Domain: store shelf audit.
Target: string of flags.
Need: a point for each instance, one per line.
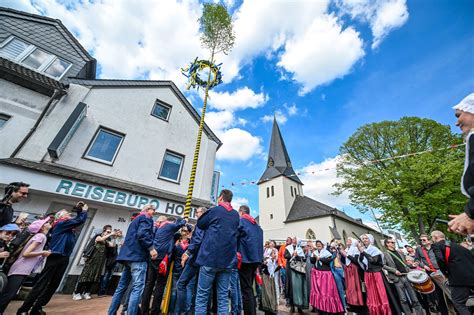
(314, 172)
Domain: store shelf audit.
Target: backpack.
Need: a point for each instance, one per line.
(90, 248)
(17, 245)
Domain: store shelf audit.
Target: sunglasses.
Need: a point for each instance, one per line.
(390, 242)
(424, 240)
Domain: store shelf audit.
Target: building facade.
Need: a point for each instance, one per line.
(286, 211)
(115, 144)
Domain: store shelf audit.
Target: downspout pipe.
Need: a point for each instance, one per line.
(57, 94)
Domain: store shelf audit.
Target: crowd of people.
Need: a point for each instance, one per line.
(221, 264)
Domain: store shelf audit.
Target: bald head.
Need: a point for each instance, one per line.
(437, 236)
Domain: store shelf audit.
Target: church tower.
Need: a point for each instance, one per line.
(277, 188)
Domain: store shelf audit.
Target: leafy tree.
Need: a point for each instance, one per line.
(410, 192)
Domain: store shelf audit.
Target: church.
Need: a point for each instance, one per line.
(286, 211)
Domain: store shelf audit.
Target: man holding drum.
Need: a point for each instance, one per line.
(397, 271)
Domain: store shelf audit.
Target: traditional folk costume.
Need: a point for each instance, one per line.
(371, 260)
(269, 294)
(324, 294)
(297, 293)
(353, 275)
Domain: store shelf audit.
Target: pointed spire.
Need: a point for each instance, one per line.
(279, 162)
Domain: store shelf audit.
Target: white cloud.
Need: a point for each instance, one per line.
(219, 121)
(239, 201)
(322, 53)
(241, 98)
(291, 109)
(279, 115)
(383, 16)
(319, 185)
(238, 145)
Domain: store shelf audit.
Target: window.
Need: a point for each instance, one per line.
(310, 235)
(273, 192)
(268, 192)
(3, 119)
(105, 145)
(271, 216)
(171, 168)
(31, 56)
(161, 110)
(291, 188)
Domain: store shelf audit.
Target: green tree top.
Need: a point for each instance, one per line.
(215, 25)
(410, 192)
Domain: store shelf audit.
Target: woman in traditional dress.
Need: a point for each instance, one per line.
(371, 260)
(324, 294)
(297, 293)
(269, 302)
(353, 275)
(94, 265)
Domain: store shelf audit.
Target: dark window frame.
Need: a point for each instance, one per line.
(268, 192)
(164, 104)
(182, 156)
(6, 118)
(273, 191)
(109, 130)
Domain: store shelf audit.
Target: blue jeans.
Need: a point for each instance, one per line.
(173, 309)
(235, 295)
(206, 278)
(104, 282)
(134, 273)
(185, 289)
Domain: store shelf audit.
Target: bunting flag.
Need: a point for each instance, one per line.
(244, 183)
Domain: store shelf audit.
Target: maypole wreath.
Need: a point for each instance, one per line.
(192, 72)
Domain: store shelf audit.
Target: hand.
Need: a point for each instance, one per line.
(4, 254)
(397, 273)
(415, 264)
(427, 268)
(184, 258)
(153, 254)
(461, 224)
(46, 253)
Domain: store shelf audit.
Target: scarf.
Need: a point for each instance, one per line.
(226, 205)
(323, 253)
(372, 251)
(466, 164)
(162, 224)
(248, 217)
(184, 244)
(352, 251)
(271, 266)
(299, 250)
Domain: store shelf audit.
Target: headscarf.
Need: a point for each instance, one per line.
(371, 250)
(36, 226)
(352, 251)
(466, 105)
(324, 253)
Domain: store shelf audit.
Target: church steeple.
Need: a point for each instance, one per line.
(279, 163)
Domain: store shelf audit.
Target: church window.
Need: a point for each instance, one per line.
(310, 235)
(271, 216)
(344, 235)
(291, 188)
(273, 192)
(268, 192)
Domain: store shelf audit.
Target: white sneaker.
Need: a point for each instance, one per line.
(87, 296)
(76, 297)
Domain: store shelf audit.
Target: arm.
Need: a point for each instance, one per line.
(103, 238)
(29, 250)
(438, 250)
(469, 208)
(78, 220)
(144, 234)
(195, 243)
(376, 260)
(326, 260)
(205, 220)
(353, 259)
(287, 255)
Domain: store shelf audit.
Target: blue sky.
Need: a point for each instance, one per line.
(324, 68)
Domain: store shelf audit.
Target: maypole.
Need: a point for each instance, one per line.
(217, 35)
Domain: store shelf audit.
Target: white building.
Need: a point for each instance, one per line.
(286, 211)
(116, 144)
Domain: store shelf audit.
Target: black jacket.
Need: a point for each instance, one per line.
(460, 266)
(468, 179)
(6, 213)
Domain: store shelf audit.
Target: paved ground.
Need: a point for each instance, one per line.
(64, 305)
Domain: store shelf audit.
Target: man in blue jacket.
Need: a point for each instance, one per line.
(187, 280)
(134, 255)
(217, 255)
(250, 248)
(163, 242)
(63, 239)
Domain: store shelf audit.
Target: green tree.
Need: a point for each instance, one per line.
(410, 192)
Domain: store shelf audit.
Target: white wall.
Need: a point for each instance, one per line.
(127, 110)
(24, 106)
(343, 225)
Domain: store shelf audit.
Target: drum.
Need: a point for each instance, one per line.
(442, 282)
(421, 282)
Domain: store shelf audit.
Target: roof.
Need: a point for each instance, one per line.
(82, 175)
(279, 163)
(28, 78)
(305, 208)
(40, 31)
(112, 83)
